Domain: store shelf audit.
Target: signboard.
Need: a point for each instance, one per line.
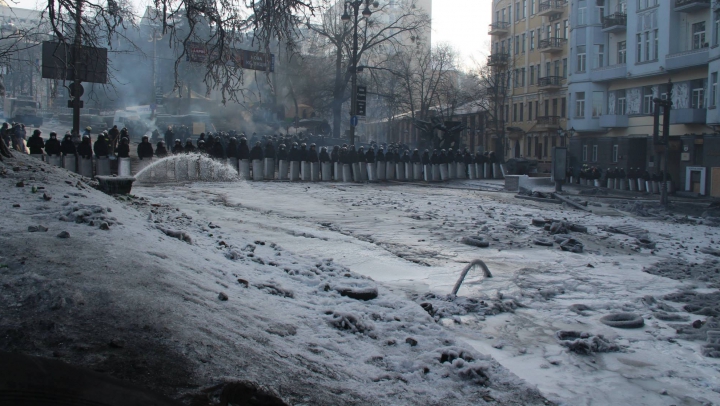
(354, 121)
(200, 53)
(360, 100)
(58, 58)
(559, 167)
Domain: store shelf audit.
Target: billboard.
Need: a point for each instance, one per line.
(200, 53)
(58, 58)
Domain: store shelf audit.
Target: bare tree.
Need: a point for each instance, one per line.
(386, 31)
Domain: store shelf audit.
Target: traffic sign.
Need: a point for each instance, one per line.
(361, 93)
(354, 121)
(360, 108)
(76, 92)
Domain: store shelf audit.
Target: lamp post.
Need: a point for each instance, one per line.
(354, 7)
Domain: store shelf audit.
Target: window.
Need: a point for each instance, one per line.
(643, 4)
(582, 12)
(698, 35)
(557, 68)
(532, 75)
(615, 153)
(517, 11)
(510, 13)
(555, 107)
(524, 9)
(600, 11)
(530, 111)
(713, 89)
(647, 102)
(584, 153)
(595, 153)
(622, 52)
(522, 77)
(522, 111)
(563, 107)
(539, 34)
(515, 111)
(529, 146)
(656, 45)
(565, 66)
(557, 30)
(599, 57)
(647, 46)
(565, 29)
(580, 104)
(497, 16)
(504, 18)
(698, 94)
(536, 108)
(621, 108)
(532, 40)
(597, 104)
(523, 42)
(532, 7)
(639, 47)
(581, 58)
(517, 77)
(547, 107)
(517, 44)
(716, 28)
(547, 69)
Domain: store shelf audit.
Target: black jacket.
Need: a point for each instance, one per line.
(294, 154)
(335, 154)
(380, 156)
(160, 150)
(370, 156)
(85, 149)
(145, 150)
(415, 157)
(232, 149)
(282, 154)
(123, 151)
(256, 153)
(270, 150)
(52, 146)
(312, 155)
(217, 150)
(36, 144)
(101, 147)
(177, 149)
(68, 146)
(243, 150)
(324, 156)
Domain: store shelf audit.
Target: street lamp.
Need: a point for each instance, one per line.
(354, 7)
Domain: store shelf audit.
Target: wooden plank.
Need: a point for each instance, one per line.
(570, 202)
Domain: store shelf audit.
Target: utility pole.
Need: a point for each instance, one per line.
(76, 70)
(664, 142)
(353, 101)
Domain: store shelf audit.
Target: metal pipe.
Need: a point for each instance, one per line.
(477, 262)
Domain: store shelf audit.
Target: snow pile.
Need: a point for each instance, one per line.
(193, 319)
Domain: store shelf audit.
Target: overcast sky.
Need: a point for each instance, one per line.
(462, 23)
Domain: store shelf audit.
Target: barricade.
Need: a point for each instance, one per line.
(194, 169)
(294, 171)
(371, 172)
(409, 172)
(283, 169)
(450, 171)
(85, 167)
(436, 172)
(633, 185)
(381, 170)
(363, 172)
(389, 170)
(234, 163)
(596, 182)
(347, 176)
(427, 173)
(399, 171)
(486, 171)
(257, 167)
(314, 171)
(417, 171)
(640, 185)
(38, 156)
(326, 171)
(305, 171)
(244, 166)
(205, 169)
(648, 186)
(102, 166)
(461, 171)
(124, 167)
(269, 169)
(443, 172)
(472, 171)
(55, 160)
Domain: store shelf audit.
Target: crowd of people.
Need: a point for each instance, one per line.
(592, 173)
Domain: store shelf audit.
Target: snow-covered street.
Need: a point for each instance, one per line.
(408, 238)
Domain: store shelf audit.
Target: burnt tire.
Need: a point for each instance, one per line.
(476, 242)
(543, 242)
(623, 320)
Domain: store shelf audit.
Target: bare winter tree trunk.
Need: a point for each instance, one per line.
(338, 94)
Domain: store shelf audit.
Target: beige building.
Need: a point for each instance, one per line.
(530, 43)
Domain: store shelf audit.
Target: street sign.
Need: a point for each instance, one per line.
(74, 92)
(360, 108)
(354, 121)
(361, 93)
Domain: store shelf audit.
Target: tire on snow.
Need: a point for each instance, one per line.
(623, 320)
(476, 242)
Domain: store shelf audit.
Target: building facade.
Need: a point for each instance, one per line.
(623, 53)
(530, 47)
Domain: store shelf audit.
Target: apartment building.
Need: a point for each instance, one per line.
(623, 53)
(530, 44)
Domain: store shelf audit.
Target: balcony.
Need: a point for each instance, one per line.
(691, 6)
(607, 73)
(615, 22)
(552, 7)
(548, 122)
(688, 116)
(552, 45)
(614, 121)
(499, 59)
(550, 82)
(687, 59)
(499, 28)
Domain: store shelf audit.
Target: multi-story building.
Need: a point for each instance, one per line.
(530, 47)
(623, 53)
